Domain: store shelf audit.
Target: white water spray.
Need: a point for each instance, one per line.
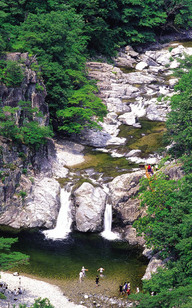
(64, 219)
(107, 233)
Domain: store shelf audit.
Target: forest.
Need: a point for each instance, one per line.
(63, 35)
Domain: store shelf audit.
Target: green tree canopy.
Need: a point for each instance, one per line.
(179, 122)
(8, 259)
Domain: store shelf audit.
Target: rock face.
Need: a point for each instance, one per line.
(32, 198)
(41, 207)
(123, 190)
(132, 88)
(152, 267)
(28, 91)
(90, 205)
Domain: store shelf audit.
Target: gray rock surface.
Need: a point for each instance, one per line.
(90, 205)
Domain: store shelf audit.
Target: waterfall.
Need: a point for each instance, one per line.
(107, 233)
(64, 219)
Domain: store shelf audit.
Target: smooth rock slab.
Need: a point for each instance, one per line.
(90, 205)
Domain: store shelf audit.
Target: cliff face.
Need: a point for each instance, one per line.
(32, 87)
(19, 164)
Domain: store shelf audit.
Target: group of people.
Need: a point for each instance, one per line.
(5, 290)
(126, 288)
(82, 274)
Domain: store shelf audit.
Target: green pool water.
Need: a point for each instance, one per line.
(62, 260)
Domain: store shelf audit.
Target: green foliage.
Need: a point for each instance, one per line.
(62, 33)
(2, 296)
(39, 303)
(54, 38)
(28, 131)
(8, 259)
(83, 106)
(179, 297)
(11, 73)
(179, 122)
(22, 194)
(168, 229)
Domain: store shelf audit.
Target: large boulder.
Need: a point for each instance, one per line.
(40, 210)
(90, 205)
(153, 266)
(130, 235)
(125, 186)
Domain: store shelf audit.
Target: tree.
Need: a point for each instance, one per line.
(83, 106)
(8, 259)
(179, 120)
(168, 230)
(28, 131)
(11, 73)
(57, 39)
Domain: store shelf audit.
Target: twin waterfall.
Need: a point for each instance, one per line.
(64, 220)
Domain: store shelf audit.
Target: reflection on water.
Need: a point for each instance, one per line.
(63, 259)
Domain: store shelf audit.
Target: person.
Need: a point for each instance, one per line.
(120, 288)
(15, 293)
(80, 276)
(150, 170)
(84, 270)
(97, 280)
(101, 269)
(128, 291)
(20, 290)
(137, 290)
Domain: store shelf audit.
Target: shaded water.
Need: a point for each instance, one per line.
(61, 260)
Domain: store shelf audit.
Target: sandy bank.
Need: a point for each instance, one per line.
(33, 289)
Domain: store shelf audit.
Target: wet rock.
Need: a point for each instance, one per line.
(90, 205)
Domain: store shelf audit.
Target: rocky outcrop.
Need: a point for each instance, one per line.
(29, 89)
(154, 263)
(130, 235)
(40, 208)
(123, 191)
(132, 88)
(90, 205)
(125, 187)
(29, 187)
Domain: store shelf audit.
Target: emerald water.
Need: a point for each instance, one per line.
(63, 260)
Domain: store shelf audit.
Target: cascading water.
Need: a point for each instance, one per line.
(64, 219)
(107, 233)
